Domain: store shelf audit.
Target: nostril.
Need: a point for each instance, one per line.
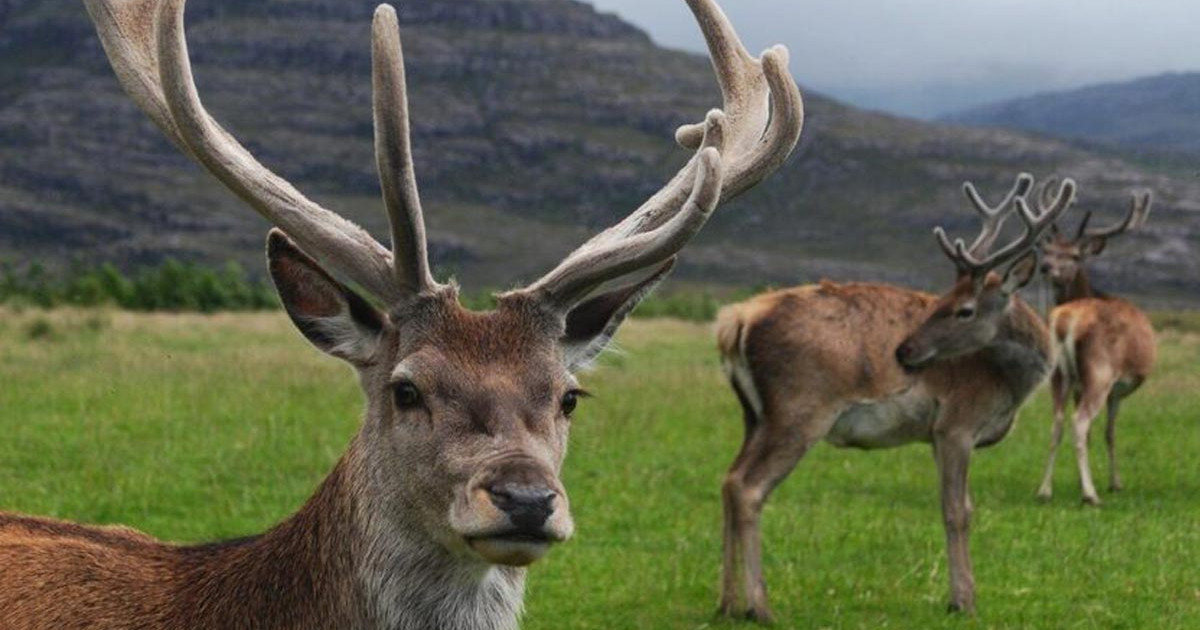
(902, 352)
(527, 506)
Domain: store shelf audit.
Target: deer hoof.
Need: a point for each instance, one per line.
(1044, 496)
(1116, 487)
(759, 616)
(1092, 501)
(957, 607)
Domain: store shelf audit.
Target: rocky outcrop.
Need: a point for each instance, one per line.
(536, 122)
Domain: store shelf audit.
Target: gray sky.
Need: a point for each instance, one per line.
(926, 57)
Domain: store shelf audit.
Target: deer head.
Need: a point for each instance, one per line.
(467, 412)
(1063, 256)
(969, 316)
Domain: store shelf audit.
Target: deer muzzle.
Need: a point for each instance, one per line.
(515, 512)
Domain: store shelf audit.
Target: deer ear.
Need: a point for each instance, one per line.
(332, 317)
(1020, 272)
(592, 323)
(1093, 246)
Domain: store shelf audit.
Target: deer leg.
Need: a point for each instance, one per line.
(1059, 386)
(1084, 414)
(1110, 438)
(769, 461)
(731, 560)
(953, 459)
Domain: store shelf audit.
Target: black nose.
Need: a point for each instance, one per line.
(528, 506)
(902, 353)
(1045, 268)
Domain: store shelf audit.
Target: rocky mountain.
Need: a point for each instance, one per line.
(536, 122)
(1151, 115)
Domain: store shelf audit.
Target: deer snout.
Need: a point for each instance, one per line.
(911, 357)
(528, 506)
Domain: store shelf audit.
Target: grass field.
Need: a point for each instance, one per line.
(198, 427)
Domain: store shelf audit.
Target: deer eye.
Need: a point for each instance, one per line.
(965, 312)
(406, 395)
(570, 400)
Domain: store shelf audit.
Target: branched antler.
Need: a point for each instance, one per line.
(1035, 225)
(994, 216)
(736, 148)
(1139, 211)
(739, 145)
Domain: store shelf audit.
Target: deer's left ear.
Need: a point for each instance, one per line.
(592, 323)
(1093, 246)
(1020, 272)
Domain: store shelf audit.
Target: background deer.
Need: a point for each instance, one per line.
(452, 484)
(1105, 344)
(875, 366)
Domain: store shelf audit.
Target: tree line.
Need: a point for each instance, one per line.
(171, 286)
(193, 287)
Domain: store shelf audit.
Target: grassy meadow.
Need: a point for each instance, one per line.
(195, 427)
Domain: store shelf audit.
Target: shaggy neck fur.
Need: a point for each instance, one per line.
(343, 562)
(1077, 289)
(1021, 352)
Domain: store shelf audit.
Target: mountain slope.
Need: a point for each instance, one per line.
(536, 122)
(1155, 114)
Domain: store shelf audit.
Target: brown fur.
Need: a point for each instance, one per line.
(492, 381)
(1105, 348)
(294, 576)
(802, 358)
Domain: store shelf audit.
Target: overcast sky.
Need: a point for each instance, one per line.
(926, 57)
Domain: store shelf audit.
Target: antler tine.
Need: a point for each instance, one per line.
(587, 268)
(994, 216)
(1139, 210)
(1035, 225)
(393, 154)
(750, 138)
(145, 43)
(1046, 197)
(1081, 231)
(761, 100)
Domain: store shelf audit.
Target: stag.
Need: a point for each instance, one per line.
(451, 486)
(1105, 344)
(876, 366)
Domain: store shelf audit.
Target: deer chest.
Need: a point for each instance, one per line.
(886, 422)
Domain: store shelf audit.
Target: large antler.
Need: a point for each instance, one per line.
(1035, 225)
(1139, 211)
(145, 43)
(737, 147)
(994, 216)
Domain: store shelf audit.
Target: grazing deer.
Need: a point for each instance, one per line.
(1105, 345)
(875, 366)
(452, 484)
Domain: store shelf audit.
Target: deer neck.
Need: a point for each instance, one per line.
(1078, 288)
(1021, 353)
(349, 558)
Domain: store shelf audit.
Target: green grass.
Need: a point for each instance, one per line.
(195, 427)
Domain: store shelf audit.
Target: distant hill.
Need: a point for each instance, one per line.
(1153, 114)
(537, 122)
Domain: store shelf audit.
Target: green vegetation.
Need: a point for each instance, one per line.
(173, 286)
(194, 427)
(189, 287)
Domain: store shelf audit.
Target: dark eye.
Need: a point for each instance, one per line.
(570, 400)
(965, 312)
(406, 395)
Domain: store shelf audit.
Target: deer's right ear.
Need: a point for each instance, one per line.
(332, 317)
